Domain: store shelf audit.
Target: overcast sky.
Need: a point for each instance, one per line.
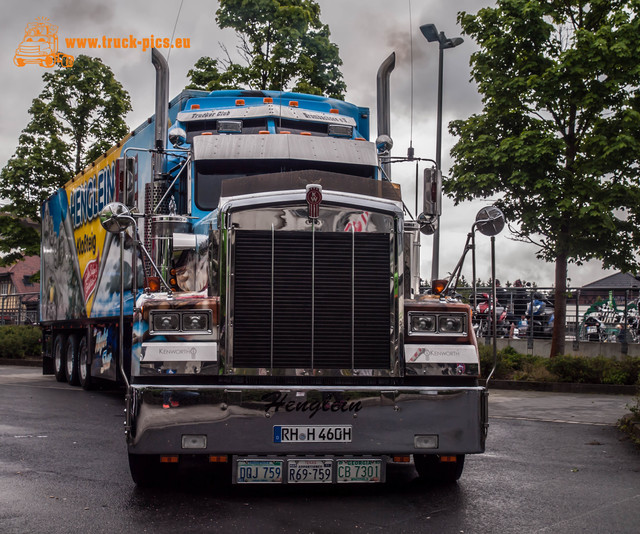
(366, 31)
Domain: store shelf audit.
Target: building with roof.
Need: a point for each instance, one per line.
(621, 287)
(19, 293)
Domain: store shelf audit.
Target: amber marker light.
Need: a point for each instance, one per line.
(195, 106)
(437, 286)
(153, 283)
(239, 102)
(268, 100)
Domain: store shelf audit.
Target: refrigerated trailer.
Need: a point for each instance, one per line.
(244, 265)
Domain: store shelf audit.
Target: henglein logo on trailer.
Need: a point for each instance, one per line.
(40, 46)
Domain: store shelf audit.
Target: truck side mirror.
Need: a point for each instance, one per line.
(116, 217)
(432, 199)
(127, 175)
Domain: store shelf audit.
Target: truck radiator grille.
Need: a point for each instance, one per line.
(311, 302)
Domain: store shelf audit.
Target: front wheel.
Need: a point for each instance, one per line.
(144, 469)
(439, 469)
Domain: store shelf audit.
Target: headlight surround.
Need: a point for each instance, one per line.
(163, 322)
(447, 324)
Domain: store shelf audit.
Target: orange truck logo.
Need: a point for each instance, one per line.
(40, 45)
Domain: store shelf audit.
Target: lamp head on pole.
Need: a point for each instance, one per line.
(431, 34)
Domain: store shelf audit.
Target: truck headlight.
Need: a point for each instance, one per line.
(451, 324)
(422, 323)
(166, 322)
(196, 321)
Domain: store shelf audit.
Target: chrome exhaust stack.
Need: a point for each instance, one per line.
(384, 108)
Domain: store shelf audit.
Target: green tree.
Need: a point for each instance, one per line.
(283, 45)
(558, 138)
(78, 115)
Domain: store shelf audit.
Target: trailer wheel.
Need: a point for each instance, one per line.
(71, 359)
(59, 367)
(84, 365)
(432, 470)
(144, 469)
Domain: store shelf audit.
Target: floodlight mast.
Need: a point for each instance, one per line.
(432, 35)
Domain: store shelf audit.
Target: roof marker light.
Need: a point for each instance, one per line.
(293, 103)
(264, 132)
(268, 100)
(195, 106)
(239, 102)
(333, 110)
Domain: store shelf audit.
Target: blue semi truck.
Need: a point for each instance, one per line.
(243, 264)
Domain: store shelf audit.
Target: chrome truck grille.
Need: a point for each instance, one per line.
(304, 300)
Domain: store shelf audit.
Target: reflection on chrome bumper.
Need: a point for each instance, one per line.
(241, 420)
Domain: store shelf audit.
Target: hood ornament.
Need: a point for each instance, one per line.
(314, 197)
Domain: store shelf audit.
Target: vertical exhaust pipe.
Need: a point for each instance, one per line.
(156, 190)
(384, 102)
(162, 108)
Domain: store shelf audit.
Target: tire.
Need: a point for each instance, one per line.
(71, 360)
(59, 365)
(431, 469)
(84, 365)
(144, 469)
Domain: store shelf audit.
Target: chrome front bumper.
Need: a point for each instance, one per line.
(242, 420)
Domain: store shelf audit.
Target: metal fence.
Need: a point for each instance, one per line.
(20, 308)
(600, 315)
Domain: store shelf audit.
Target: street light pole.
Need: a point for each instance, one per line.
(431, 34)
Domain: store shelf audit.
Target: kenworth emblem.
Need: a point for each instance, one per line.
(314, 197)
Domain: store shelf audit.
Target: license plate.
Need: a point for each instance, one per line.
(249, 471)
(592, 329)
(312, 434)
(360, 470)
(314, 471)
